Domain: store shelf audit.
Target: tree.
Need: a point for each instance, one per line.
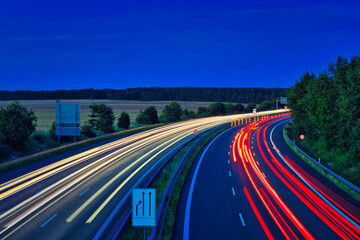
(172, 112)
(152, 113)
(142, 118)
(239, 108)
(101, 118)
(202, 110)
(229, 108)
(265, 105)
(217, 109)
(52, 130)
(249, 108)
(124, 120)
(87, 130)
(16, 125)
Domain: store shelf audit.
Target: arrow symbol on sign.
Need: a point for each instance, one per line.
(144, 203)
(137, 207)
(149, 203)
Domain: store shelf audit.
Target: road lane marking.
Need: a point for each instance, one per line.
(228, 153)
(242, 220)
(230, 146)
(84, 192)
(229, 173)
(179, 138)
(264, 174)
(254, 154)
(233, 190)
(108, 174)
(191, 190)
(257, 163)
(84, 205)
(49, 220)
(126, 161)
(228, 161)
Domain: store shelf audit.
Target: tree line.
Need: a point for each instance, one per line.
(326, 109)
(244, 95)
(102, 117)
(18, 124)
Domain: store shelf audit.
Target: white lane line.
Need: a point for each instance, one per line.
(254, 154)
(264, 174)
(230, 146)
(228, 153)
(242, 220)
(257, 163)
(233, 190)
(252, 147)
(229, 173)
(49, 220)
(228, 161)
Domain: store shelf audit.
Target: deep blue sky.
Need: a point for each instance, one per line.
(119, 44)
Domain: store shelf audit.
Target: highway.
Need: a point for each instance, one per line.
(248, 184)
(87, 195)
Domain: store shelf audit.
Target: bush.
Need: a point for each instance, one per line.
(16, 124)
(217, 109)
(39, 137)
(152, 113)
(52, 130)
(249, 108)
(229, 108)
(5, 151)
(201, 110)
(172, 112)
(239, 108)
(142, 118)
(87, 130)
(124, 120)
(265, 105)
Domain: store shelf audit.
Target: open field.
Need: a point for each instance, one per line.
(45, 109)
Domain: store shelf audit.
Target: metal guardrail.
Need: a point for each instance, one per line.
(349, 184)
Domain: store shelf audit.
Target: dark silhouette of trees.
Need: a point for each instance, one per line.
(101, 118)
(16, 125)
(243, 95)
(124, 120)
(152, 113)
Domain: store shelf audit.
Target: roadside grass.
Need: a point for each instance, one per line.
(161, 182)
(337, 182)
(64, 148)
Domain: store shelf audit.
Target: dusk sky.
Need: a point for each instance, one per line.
(48, 45)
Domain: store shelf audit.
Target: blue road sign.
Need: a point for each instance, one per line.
(144, 207)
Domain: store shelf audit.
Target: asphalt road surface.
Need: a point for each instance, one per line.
(86, 195)
(248, 184)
